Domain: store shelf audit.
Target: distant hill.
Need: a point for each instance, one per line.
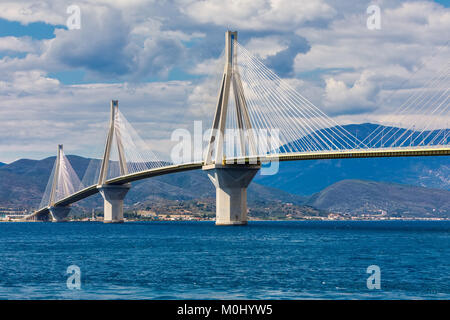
(364, 132)
(358, 197)
(23, 182)
(2, 164)
(370, 134)
(196, 185)
(311, 176)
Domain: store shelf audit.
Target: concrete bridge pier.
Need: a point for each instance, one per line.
(231, 182)
(59, 214)
(113, 196)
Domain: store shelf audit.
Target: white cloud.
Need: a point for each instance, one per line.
(361, 68)
(77, 115)
(52, 12)
(266, 46)
(408, 33)
(16, 44)
(257, 14)
(29, 82)
(340, 98)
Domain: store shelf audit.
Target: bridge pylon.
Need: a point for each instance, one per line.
(58, 213)
(113, 195)
(230, 180)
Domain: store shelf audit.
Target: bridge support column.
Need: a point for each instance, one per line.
(59, 214)
(231, 182)
(113, 196)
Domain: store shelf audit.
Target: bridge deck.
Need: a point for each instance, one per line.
(366, 153)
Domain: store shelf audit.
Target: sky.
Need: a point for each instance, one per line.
(155, 57)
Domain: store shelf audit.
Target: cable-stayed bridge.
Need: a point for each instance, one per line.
(259, 118)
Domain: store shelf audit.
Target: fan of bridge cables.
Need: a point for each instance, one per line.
(92, 172)
(288, 121)
(64, 184)
(421, 121)
(136, 152)
(126, 147)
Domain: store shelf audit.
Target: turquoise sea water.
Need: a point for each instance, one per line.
(198, 260)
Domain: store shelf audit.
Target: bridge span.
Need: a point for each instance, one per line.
(170, 169)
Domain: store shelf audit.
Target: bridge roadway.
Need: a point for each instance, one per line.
(345, 154)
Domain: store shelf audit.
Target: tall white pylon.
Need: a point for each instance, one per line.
(230, 180)
(113, 195)
(114, 131)
(230, 79)
(56, 175)
(65, 182)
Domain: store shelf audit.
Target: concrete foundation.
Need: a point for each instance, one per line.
(59, 214)
(113, 196)
(231, 182)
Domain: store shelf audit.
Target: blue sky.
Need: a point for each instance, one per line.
(36, 30)
(445, 3)
(42, 30)
(155, 57)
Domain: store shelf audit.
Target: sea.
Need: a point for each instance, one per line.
(198, 260)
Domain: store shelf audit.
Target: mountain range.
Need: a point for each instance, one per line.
(23, 182)
(358, 197)
(311, 176)
(415, 186)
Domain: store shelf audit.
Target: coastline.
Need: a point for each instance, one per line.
(253, 220)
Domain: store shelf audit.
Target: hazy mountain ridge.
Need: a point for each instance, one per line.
(322, 184)
(23, 182)
(362, 197)
(311, 176)
(373, 136)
